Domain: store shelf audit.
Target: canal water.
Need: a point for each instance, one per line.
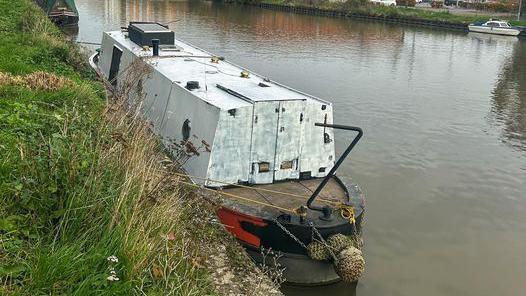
(443, 160)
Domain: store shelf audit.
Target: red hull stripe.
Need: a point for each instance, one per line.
(233, 219)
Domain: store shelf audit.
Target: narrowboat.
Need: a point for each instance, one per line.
(494, 27)
(61, 12)
(265, 148)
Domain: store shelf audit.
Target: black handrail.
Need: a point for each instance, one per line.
(326, 210)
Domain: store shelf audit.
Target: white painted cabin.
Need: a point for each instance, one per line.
(257, 134)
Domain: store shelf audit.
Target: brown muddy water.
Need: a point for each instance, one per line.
(443, 160)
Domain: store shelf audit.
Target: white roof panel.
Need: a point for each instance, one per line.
(188, 63)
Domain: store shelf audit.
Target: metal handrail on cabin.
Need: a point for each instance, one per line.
(326, 210)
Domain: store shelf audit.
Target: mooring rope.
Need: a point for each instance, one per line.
(335, 203)
(292, 211)
(346, 211)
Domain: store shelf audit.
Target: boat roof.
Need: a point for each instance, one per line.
(221, 84)
(497, 21)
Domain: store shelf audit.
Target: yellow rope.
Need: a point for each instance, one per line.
(240, 197)
(258, 189)
(346, 211)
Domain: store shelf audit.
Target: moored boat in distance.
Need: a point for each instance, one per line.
(266, 149)
(61, 12)
(494, 27)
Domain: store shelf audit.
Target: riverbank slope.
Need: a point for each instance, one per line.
(88, 201)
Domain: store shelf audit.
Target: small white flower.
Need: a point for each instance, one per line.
(112, 278)
(113, 259)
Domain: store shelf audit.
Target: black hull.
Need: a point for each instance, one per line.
(261, 232)
(272, 236)
(64, 20)
(298, 267)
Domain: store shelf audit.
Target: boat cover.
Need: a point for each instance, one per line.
(48, 5)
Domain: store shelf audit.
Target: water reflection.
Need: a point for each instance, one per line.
(509, 98)
(115, 11)
(446, 198)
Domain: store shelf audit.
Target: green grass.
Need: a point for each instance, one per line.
(443, 16)
(415, 13)
(364, 7)
(80, 181)
(518, 23)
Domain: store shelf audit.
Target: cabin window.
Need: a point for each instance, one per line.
(286, 165)
(263, 167)
(305, 175)
(115, 64)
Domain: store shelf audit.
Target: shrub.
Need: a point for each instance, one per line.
(437, 4)
(354, 4)
(508, 6)
(407, 3)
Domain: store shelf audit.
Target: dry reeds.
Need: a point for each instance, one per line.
(37, 81)
(87, 197)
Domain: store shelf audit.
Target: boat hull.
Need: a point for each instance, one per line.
(59, 12)
(263, 220)
(298, 269)
(259, 231)
(494, 30)
(64, 18)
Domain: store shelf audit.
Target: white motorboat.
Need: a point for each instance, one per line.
(494, 27)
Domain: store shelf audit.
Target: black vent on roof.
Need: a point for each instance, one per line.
(142, 33)
(191, 85)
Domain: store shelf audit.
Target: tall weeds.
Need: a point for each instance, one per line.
(94, 190)
(88, 201)
(80, 181)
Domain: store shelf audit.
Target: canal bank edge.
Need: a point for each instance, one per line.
(401, 15)
(88, 204)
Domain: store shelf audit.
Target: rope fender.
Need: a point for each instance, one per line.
(346, 256)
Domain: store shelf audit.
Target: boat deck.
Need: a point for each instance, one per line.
(302, 190)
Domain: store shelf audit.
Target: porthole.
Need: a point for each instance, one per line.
(187, 127)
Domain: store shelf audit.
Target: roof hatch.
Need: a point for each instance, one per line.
(142, 33)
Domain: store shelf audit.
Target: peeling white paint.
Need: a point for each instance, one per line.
(246, 125)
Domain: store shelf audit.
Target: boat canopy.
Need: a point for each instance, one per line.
(501, 24)
(49, 5)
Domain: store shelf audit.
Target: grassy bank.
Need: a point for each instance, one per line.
(364, 7)
(88, 203)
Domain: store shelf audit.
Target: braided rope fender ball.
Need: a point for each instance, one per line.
(338, 242)
(317, 251)
(350, 265)
(357, 242)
